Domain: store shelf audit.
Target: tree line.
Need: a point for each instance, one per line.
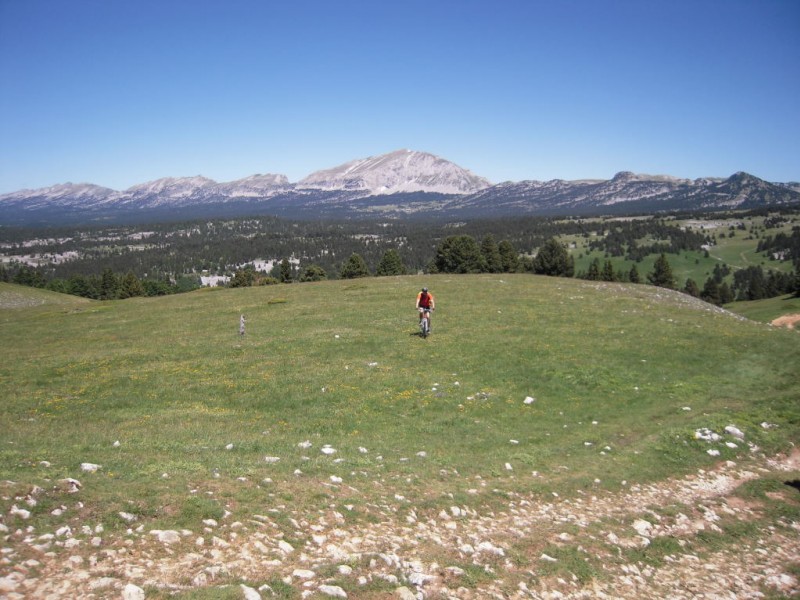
(122, 262)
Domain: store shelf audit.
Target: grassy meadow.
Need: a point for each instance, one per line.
(734, 247)
(331, 399)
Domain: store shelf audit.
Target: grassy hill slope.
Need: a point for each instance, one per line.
(332, 399)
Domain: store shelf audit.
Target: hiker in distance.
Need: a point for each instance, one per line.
(425, 301)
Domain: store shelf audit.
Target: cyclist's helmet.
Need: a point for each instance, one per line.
(425, 290)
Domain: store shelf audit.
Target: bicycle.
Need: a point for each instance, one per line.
(425, 322)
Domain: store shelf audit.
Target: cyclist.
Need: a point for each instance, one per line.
(425, 302)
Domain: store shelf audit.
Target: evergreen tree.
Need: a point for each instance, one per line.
(608, 271)
(285, 271)
(593, 274)
(390, 264)
(633, 275)
(458, 254)
(662, 273)
(493, 262)
(509, 258)
(245, 277)
(79, 285)
(725, 293)
(797, 279)
(131, 286)
(554, 260)
(691, 288)
(109, 285)
(354, 267)
(710, 292)
(313, 273)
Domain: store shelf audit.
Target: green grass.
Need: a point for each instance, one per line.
(738, 252)
(611, 367)
(767, 310)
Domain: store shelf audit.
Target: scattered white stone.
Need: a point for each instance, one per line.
(529, 400)
(250, 593)
(328, 450)
(345, 570)
(332, 590)
(132, 592)
(712, 452)
(271, 459)
(766, 425)
(89, 467)
(548, 558)
(509, 467)
(286, 547)
(116, 444)
(372, 364)
(513, 442)
(45, 463)
(490, 548)
(403, 593)
(731, 445)
(305, 445)
(362, 450)
(422, 454)
(642, 527)
(303, 574)
(20, 512)
(166, 537)
(687, 408)
(336, 479)
(229, 447)
(64, 531)
(735, 432)
(707, 435)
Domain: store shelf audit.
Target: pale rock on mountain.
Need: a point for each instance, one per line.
(399, 171)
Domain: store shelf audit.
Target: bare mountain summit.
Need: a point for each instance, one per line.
(399, 171)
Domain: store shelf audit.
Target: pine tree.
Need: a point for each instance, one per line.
(662, 273)
(691, 288)
(109, 285)
(797, 280)
(633, 275)
(131, 286)
(554, 260)
(286, 271)
(493, 263)
(710, 292)
(593, 274)
(354, 267)
(391, 264)
(509, 258)
(608, 272)
(313, 273)
(458, 254)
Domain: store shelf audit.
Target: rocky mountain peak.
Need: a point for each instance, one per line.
(398, 171)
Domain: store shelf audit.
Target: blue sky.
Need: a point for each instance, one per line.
(118, 92)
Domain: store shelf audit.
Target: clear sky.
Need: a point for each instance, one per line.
(120, 92)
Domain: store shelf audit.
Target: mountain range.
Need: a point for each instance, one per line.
(403, 183)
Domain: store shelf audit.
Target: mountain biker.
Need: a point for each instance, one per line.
(425, 302)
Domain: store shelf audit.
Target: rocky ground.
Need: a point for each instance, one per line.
(683, 538)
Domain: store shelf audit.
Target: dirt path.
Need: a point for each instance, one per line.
(640, 543)
(787, 321)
